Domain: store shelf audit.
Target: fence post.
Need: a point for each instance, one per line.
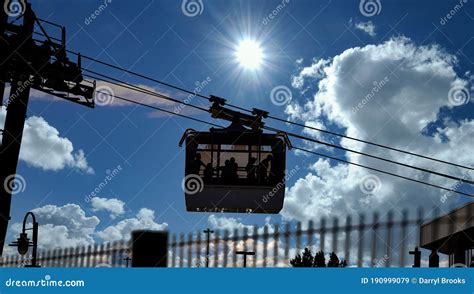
(149, 249)
(276, 237)
(347, 244)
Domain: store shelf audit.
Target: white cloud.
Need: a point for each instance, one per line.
(397, 113)
(112, 205)
(69, 226)
(144, 220)
(367, 27)
(43, 147)
(62, 226)
(226, 223)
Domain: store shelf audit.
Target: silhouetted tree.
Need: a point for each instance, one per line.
(319, 260)
(333, 260)
(303, 261)
(306, 259)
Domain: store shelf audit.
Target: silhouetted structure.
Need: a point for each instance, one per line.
(245, 254)
(451, 234)
(149, 249)
(26, 63)
(23, 242)
(208, 232)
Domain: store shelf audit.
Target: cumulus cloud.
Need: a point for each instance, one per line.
(62, 226)
(112, 205)
(44, 148)
(69, 226)
(367, 27)
(390, 93)
(144, 220)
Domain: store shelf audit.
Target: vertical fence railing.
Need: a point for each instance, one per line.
(377, 241)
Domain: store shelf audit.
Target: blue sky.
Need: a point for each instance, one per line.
(157, 39)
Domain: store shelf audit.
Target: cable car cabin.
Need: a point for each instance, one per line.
(234, 169)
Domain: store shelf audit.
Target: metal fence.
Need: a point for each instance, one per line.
(105, 255)
(380, 240)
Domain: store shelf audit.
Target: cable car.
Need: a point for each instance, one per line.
(236, 169)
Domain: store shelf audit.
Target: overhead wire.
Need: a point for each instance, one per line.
(296, 147)
(154, 93)
(270, 116)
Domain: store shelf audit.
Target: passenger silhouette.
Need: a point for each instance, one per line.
(208, 173)
(251, 169)
(263, 169)
(226, 174)
(195, 164)
(233, 170)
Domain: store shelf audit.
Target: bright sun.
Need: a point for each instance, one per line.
(249, 54)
